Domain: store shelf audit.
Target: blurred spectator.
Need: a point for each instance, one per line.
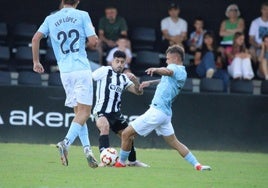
(257, 30)
(111, 26)
(238, 59)
(174, 28)
(263, 59)
(209, 61)
(196, 37)
(122, 45)
(234, 23)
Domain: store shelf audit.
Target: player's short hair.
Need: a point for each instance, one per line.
(70, 2)
(176, 49)
(119, 54)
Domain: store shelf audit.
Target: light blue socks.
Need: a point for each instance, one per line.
(191, 159)
(83, 136)
(123, 156)
(73, 132)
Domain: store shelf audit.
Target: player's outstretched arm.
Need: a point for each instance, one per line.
(135, 87)
(148, 83)
(163, 71)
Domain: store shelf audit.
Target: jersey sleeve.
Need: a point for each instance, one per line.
(99, 73)
(44, 28)
(128, 82)
(176, 71)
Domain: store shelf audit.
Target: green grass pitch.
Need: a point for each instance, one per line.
(38, 166)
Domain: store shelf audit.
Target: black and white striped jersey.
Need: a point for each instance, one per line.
(110, 86)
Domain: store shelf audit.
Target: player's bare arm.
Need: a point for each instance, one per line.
(134, 88)
(148, 83)
(163, 71)
(37, 66)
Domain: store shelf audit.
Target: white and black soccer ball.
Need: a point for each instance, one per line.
(109, 156)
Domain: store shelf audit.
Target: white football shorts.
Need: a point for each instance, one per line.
(153, 119)
(78, 86)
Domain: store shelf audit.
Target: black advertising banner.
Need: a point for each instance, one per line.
(202, 121)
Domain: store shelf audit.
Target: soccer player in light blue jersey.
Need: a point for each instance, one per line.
(68, 30)
(158, 116)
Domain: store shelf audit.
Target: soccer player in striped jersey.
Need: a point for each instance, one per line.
(68, 30)
(111, 82)
(158, 116)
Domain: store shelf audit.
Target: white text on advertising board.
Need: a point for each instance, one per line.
(32, 117)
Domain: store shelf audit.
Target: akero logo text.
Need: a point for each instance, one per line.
(33, 117)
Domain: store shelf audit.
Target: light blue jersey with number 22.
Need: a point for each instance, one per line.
(68, 29)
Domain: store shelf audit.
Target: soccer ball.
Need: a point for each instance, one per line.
(109, 156)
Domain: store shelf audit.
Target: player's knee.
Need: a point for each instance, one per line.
(85, 114)
(104, 129)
